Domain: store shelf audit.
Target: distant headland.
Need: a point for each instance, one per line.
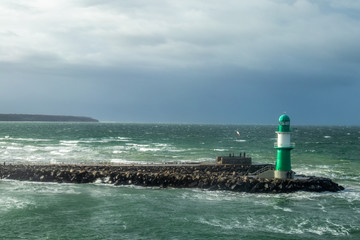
(44, 118)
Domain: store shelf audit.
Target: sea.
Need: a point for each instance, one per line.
(34, 210)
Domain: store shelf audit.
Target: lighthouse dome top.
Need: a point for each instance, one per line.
(284, 118)
(284, 123)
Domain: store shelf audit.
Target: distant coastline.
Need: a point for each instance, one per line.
(44, 118)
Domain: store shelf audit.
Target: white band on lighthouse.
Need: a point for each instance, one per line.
(283, 139)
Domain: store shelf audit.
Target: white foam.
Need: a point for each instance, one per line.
(144, 149)
(42, 187)
(123, 139)
(53, 161)
(13, 148)
(240, 140)
(221, 196)
(30, 149)
(282, 208)
(8, 203)
(161, 145)
(117, 152)
(330, 228)
(98, 181)
(65, 150)
(176, 150)
(124, 161)
(7, 138)
(69, 142)
(104, 140)
(57, 153)
(221, 224)
(136, 145)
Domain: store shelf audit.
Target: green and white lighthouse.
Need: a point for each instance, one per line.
(283, 146)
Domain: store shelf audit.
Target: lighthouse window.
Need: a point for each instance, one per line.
(286, 123)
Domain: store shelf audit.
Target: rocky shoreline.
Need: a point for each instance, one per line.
(236, 178)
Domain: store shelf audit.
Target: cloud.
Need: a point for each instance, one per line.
(158, 33)
(193, 58)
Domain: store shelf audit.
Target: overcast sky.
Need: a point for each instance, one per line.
(204, 61)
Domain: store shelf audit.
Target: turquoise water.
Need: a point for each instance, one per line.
(30, 210)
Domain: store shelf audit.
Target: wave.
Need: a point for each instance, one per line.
(234, 223)
(95, 140)
(148, 149)
(124, 161)
(220, 150)
(240, 140)
(8, 138)
(9, 203)
(329, 171)
(276, 223)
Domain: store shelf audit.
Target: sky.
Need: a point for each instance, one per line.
(162, 61)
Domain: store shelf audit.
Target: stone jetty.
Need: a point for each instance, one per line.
(236, 178)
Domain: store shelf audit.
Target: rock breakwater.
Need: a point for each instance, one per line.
(204, 176)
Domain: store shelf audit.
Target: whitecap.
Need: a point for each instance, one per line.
(240, 140)
(206, 195)
(123, 139)
(282, 208)
(331, 228)
(117, 152)
(69, 142)
(221, 224)
(161, 145)
(6, 138)
(137, 146)
(219, 150)
(123, 161)
(30, 149)
(327, 136)
(9, 203)
(65, 150)
(13, 148)
(144, 149)
(57, 153)
(285, 230)
(176, 150)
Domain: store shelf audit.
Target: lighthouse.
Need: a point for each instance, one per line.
(283, 146)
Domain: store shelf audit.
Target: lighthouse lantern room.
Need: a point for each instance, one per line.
(283, 146)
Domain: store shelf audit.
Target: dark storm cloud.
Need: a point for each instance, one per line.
(202, 61)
